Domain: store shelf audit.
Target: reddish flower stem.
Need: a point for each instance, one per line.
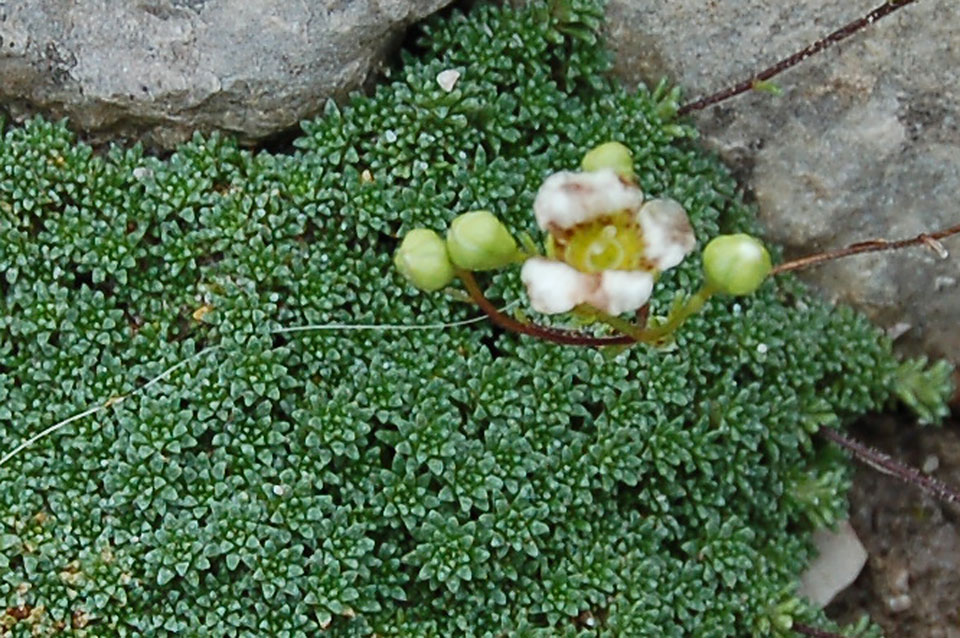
(874, 245)
(884, 463)
(643, 315)
(564, 337)
(842, 33)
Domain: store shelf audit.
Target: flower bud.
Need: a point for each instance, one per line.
(422, 258)
(736, 264)
(612, 155)
(479, 241)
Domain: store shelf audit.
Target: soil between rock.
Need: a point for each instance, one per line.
(911, 583)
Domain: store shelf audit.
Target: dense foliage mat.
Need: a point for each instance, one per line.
(449, 482)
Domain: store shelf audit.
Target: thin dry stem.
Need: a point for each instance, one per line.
(107, 404)
(842, 33)
(931, 240)
(56, 427)
(886, 464)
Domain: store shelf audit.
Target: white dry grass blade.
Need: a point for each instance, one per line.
(206, 351)
(386, 327)
(109, 402)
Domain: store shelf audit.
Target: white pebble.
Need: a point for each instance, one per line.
(278, 490)
(142, 172)
(898, 329)
(841, 557)
(930, 464)
(447, 79)
(938, 248)
(762, 348)
(390, 136)
(944, 281)
(896, 604)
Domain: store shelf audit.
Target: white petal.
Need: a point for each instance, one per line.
(667, 234)
(622, 291)
(566, 199)
(553, 286)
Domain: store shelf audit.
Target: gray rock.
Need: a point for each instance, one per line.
(863, 142)
(158, 69)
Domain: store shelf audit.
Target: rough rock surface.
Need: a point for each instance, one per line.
(864, 141)
(158, 69)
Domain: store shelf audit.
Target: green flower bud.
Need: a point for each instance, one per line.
(610, 155)
(422, 258)
(736, 264)
(479, 241)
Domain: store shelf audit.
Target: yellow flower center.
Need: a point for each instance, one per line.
(608, 243)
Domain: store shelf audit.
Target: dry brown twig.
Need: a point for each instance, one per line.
(930, 240)
(758, 79)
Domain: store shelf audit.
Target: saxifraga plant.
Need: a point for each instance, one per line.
(260, 432)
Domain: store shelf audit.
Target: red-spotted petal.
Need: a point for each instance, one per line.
(667, 234)
(567, 199)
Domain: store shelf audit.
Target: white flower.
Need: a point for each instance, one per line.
(606, 245)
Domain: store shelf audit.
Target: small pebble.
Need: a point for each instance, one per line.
(278, 490)
(762, 348)
(447, 79)
(944, 281)
(896, 604)
(390, 136)
(938, 248)
(142, 172)
(841, 557)
(901, 582)
(930, 464)
(898, 329)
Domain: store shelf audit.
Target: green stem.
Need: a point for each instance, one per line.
(648, 335)
(619, 324)
(677, 317)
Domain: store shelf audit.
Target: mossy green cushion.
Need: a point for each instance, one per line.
(456, 482)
